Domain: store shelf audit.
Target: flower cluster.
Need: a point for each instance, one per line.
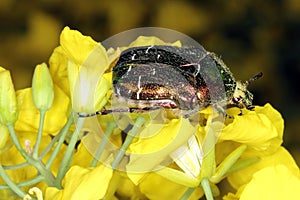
(245, 161)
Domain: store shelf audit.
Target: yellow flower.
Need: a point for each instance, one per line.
(261, 129)
(280, 157)
(12, 157)
(87, 60)
(154, 187)
(58, 63)
(147, 153)
(29, 115)
(81, 183)
(273, 182)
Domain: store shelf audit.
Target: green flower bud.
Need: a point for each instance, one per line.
(8, 102)
(42, 88)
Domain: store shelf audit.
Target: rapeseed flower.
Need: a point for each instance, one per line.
(168, 160)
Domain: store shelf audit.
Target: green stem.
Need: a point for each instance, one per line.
(207, 189)
(109, 130)
(66, 162)
(32, 181)
(187, 194)
(39, 135)
(10, 183)
(47, 174)
(63, 134)
(50, 145)
(18, 166)
(137, 125)
(16, 142)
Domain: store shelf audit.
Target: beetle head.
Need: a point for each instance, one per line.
(241, 97)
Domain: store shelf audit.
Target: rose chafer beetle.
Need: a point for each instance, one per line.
(151, 77)
(148, 77)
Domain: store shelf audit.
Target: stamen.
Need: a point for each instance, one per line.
(28, 147)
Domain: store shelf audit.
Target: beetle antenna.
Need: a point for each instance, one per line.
(257, 76)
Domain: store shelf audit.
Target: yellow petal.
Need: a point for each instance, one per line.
(81, 183)
(53, 193)
(280, 157)
(58, 63)
(29, 117)
(82, 157)
(91, 60)
(156, 187)
(76, 46)
(147, 41)
(259, 129)
(147, 153)
(273, 183)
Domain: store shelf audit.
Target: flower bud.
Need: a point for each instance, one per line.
(42, 88)
(8, 102)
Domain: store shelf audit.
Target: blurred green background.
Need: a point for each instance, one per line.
(250, 36)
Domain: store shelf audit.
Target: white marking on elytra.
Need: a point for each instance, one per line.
(133, 57)
(138, 93)
(148, 49)
(139, 82)
(198, 69)
(158, 56)
(118, 91)
(129, 69)
(153, 73)
(140, 88)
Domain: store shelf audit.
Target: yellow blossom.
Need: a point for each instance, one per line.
(260, 129)
(154, 186)
(29, 115)
(146, 41)
(280, 157)
(270, 183)
(58, 69)
(87, 61)
(81, 183)
(147, 153)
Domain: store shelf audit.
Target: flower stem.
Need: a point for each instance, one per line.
(38, 164)
(18, 166)
(65, 163)
(10, 183)
(63, 134)
(137, 125)
(109, 130)
(29, 182)
(187, 194)
(16, 142)
(207, 189)
(39, 135)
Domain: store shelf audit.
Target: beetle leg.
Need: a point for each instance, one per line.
(221, 110)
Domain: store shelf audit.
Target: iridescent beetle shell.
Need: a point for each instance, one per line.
(169, 76)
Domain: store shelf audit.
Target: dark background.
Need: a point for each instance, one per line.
(251, 36)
